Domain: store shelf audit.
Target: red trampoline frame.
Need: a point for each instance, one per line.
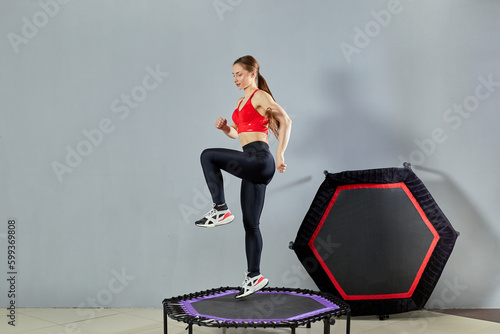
(435, 240)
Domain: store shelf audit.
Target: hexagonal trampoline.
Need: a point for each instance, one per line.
(376, 239)
(268, 308)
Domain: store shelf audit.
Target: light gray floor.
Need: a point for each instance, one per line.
(150, 321)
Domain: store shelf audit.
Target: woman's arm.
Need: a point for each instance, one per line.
(265, 101)
(230, 131)
(284, 135)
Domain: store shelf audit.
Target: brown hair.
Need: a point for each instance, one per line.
(250, 64)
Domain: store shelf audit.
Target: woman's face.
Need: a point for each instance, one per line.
(242, 78)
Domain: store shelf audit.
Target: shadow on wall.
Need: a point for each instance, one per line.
(472, 272)
(355, 132)
(292, 184)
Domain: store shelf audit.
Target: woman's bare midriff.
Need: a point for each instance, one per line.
(249, 137)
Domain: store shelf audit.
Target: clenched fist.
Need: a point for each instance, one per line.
(221, 123)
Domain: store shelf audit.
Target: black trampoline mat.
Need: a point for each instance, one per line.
(380, 231)
(261, 306)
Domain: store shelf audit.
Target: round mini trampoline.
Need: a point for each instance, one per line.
(268, 308)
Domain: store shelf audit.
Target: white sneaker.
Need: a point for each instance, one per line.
(251, 285)
(215, 217)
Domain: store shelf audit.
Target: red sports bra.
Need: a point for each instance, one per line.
(248, 118)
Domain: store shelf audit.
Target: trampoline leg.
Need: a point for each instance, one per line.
(326, 326)
(348, 323)
(190, 329)
(293, 330)
(165, 326)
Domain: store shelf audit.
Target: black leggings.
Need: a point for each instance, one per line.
(255, 167)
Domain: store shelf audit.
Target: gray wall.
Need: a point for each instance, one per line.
(106, 106)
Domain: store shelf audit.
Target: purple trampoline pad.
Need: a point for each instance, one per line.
(268, 306)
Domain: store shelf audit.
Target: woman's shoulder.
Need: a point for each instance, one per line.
(261, 93)
(262, 96)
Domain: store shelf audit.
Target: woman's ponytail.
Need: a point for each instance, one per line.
(273, 122)
(262, 84)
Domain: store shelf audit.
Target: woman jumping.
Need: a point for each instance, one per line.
(255, 114)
